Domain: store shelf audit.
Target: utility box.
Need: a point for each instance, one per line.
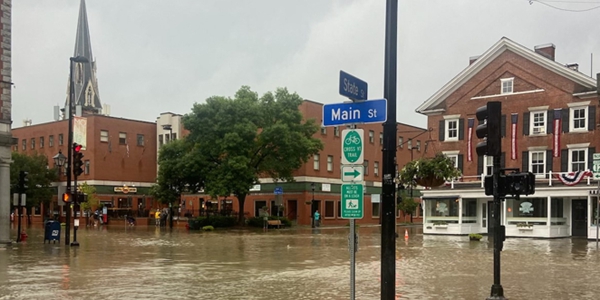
(52, 231)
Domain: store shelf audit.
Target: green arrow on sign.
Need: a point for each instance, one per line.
(353, 173)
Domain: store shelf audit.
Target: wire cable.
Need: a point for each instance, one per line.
(565, 9)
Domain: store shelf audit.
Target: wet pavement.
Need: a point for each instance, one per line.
(150, 263)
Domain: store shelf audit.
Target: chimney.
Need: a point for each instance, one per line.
(472, 59)
(546, 50)
(574, 67)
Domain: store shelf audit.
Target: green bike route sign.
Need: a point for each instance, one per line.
(352, 147)
(352, 201)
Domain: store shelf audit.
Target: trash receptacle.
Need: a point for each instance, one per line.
(52, 231)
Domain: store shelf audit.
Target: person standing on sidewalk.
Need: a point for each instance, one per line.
(317, 218)
(157, 217)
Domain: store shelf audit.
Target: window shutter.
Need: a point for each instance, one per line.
(549, 121)
(591, 117)
(479, 164)
(460, 163)
(461, 129)
(503, 126)
(590, 157)
(525, 160)
(442, 130)
(564, 160)
(526, 123)
(565, 120)
(549, 158)
(502, 160)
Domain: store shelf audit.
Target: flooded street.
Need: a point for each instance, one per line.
(148, 263)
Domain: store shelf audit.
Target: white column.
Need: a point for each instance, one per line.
(549, 217)
(4, 200)
(460, 201)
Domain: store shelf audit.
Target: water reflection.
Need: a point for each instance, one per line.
(151, 263)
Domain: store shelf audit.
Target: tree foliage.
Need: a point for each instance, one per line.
(440, 166)
(408, 206)
(246, 137)
(92, 199)
(40, 177)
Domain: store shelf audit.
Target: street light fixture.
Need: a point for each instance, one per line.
(312, 205)
(59, 160)
(77, 59)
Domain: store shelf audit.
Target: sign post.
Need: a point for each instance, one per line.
(596, 169)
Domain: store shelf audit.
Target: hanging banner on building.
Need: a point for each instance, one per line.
(80, 131)
(470, 124)
(557, 129)
(513, 136)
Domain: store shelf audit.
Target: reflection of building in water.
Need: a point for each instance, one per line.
(549, 119)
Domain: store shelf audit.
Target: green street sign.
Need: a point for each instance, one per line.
(352, 201)
(353, 173)
(352, 147)
(596, 165)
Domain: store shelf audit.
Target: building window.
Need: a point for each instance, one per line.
(488, 165)
(122, 138)
(86, 169)
(366, 167)
(140, 140)
(173, 136)
(453, 158)
(167, 138)
(329, 209)
(401, 142)
(32, 143)
(316, 162)
(24, 142)
(104, 135)
(336, 131)
(409, 144)
(381, 138)
(537, 162)
(507, 85)
(160, 140)
(418, 145)
(375, 209)
(51, 141)
(330, 163)
(538, 122)
(42, 142)
(371, 136)
(577, 160)
(451, 130)
(60, 139)
(578, 117)
(323, 130)
(376, 168)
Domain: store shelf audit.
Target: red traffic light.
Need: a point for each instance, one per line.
(77, 147)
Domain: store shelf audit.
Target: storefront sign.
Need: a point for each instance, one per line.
(125, 189)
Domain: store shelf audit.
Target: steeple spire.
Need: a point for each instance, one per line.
(84, 74)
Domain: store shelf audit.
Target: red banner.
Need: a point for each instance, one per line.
(513, 136)
(556, 131)
(471, 123)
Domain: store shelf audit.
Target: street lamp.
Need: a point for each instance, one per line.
(312, 205)
(59, 160)
(77, 59)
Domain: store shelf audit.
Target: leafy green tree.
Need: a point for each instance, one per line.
(408, 206)
(246, 137)
(40, 177)
(92, 199)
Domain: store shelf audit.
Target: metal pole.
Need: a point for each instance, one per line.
(597, 213)
(388, 189)
(69, 153)
(76, 210)
(351, 245)
(497, 292)
(312, 206)
(19, 215)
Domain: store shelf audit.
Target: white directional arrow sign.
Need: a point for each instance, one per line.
(353, 173)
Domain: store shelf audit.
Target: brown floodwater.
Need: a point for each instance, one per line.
(151, 263)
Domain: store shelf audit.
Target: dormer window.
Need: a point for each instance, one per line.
(506, 85)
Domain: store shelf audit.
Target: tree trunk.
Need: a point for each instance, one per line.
(241, 201)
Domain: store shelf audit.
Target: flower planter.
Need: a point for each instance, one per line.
(430, 181)
(525, 228)
(440, 226)
(474, 239)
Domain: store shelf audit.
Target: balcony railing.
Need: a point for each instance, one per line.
(548, 178)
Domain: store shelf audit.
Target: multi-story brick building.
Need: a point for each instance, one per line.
(549, 127)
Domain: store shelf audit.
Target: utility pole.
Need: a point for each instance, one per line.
(388, 189)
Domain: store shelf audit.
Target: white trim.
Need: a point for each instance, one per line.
(537, 148)
(511, 80)
(451, 117)
(447, 132)
(541, 129)
(585, 94)
(530, 160)
(503, 95)
(492, 53)
(580, 145)
(570, 158)
(453, 152)
(585, 118)
(538, 108)
(579, 103)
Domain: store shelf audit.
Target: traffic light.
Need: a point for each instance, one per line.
(23, 182)
(520, 183)
(67, 198)
(490, 115)
(77, 160)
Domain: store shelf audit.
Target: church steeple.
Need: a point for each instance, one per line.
(84, 74)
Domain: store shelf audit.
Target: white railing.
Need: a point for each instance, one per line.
(478, 178)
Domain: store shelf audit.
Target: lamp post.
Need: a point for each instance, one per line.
(77, 59)
(59, 161)
(312, 205)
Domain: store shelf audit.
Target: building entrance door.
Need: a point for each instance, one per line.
(579, 214)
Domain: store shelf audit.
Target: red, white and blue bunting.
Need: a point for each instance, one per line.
(573, 178)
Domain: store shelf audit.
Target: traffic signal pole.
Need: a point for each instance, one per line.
(497, 292)
(70, 153)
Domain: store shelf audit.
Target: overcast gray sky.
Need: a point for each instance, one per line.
(155, 56)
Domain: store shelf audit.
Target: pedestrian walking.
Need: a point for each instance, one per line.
(157, 217)
(317, 218)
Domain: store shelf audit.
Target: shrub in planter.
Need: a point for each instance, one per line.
(208, 228)
(258, 221)
(475, 236)
(428, 172)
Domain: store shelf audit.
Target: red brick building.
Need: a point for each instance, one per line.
(549, 127)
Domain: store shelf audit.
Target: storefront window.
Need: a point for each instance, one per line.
(469, 210)
(442, 210)
(556, 212)
(534, 211)
(594, 210)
